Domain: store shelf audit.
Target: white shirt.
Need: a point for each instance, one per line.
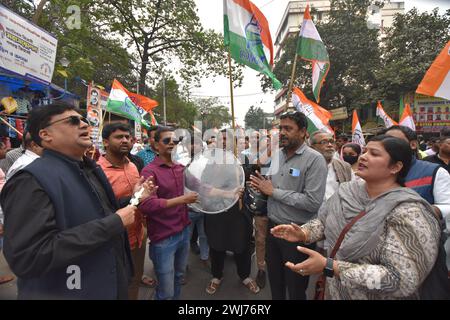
(24, 160)
(441, 194)
(332, 183)
(136, 148)
(430, 152)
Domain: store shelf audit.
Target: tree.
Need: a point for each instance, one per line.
(411, 45)
(354, 55)
(212, 113)
(92, 54)
(23, 8)
(255, 118)
(161, 32)
(179, 112)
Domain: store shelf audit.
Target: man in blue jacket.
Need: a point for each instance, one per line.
(64, 237)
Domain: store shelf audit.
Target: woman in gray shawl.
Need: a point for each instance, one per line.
(389, 251)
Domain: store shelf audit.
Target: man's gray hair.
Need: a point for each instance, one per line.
(312, 138)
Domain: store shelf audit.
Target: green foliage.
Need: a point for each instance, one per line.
(92, 54)
(354, 56)
(212, 113)
(179, 112)
(23, 8)
(411, 45)
(363, 69)
(164, 31)
(255, 118)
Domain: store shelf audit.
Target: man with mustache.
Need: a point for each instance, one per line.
(296, 190)
(65, 237)
(123, 175)
(338, 171)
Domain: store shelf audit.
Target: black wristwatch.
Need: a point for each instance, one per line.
(328, 270)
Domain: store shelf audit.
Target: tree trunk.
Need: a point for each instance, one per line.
(143, 67)
(39, 10)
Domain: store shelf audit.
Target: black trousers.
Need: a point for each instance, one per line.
(278, 252)
(243, 263)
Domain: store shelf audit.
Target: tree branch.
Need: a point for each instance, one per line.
(38, 11)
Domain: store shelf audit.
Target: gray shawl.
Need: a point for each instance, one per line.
(352, 198)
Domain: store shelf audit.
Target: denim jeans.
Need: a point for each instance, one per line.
(169, 258)
(198, 219)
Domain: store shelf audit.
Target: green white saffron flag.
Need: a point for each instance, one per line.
(311, 48)
(119, 102)
(247, 33)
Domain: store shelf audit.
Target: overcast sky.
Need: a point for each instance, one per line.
(211, 16)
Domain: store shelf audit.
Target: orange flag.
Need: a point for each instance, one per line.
(388, 121)
(407, 119)
(152, 116)
(436, 82)
(142, 101)
(357, 134)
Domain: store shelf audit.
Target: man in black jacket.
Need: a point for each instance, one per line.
(64, 237)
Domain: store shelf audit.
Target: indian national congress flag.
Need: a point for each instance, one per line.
(318, 117)
(247, 33)
(311, 48)
(119, 102)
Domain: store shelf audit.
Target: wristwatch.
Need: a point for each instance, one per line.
(328, 270)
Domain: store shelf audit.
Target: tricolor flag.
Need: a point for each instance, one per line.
(407, 119)
(357, 134)
(388, 121)
(311, 48)
(143, 102)
(119, 102)
(246, 32)
(152, 116)
(401, 107)
(318, 117)
(436, 82)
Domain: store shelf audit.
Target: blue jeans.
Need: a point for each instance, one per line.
(198, 219)
(169, 258)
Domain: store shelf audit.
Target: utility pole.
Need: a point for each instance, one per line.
(164, 98)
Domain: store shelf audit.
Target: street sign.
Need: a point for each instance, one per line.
(339, 113)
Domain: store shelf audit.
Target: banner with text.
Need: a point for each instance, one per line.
(26, 49)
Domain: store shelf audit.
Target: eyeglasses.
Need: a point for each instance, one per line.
(169, 139)
(325, 142)
(72, 120)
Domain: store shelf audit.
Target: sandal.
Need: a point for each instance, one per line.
(149, 282)
(213, 285)
(251, 285)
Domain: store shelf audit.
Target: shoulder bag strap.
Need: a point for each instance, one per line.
(344, 232)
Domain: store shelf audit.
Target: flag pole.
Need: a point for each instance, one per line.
(232, 118)
(9, 125)
(291, 82)
(232, 101)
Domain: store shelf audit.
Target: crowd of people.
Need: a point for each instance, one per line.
(370, 220)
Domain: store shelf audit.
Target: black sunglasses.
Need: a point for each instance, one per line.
(169, 139)
(72, 120)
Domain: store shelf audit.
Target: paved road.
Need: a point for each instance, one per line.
(197, 279)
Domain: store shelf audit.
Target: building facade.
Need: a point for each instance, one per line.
(320, 9)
